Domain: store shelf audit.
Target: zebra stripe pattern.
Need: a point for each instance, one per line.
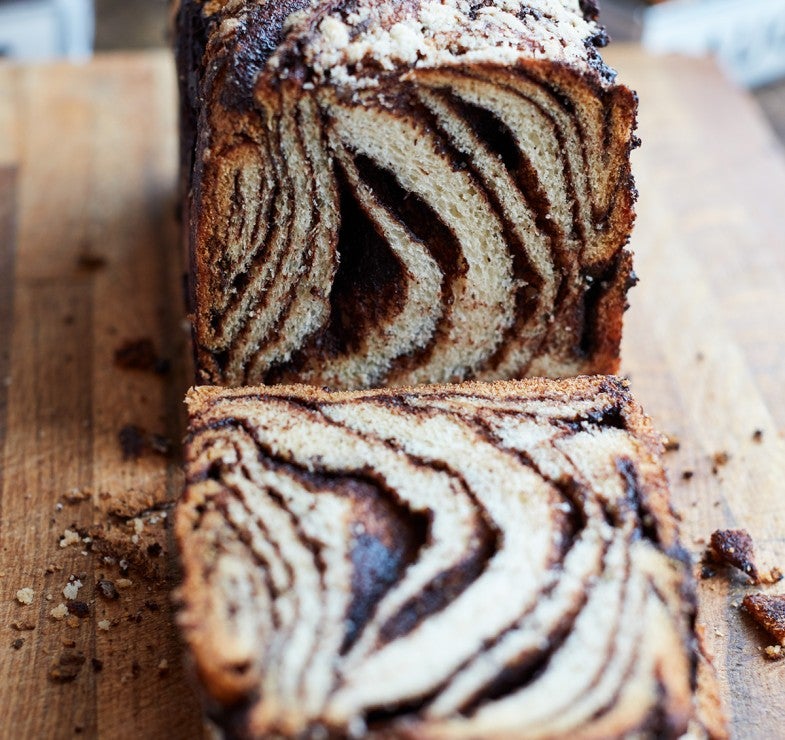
(427, 224)
(479, 560)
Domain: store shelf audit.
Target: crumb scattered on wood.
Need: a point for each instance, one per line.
(67, 666)
(772, 576)
(140, 354)
(23, 626)
(17, 643)
(671, 442)
(719, 459)
(69, 537)
(71, 589)
(107, 589)
(25, 595)
(774, 652)
(78, 609)
(77, 495)
(59, 612)
(735, 547)
(104, 625)
(136, 441)
(126, 548)
(768, 611)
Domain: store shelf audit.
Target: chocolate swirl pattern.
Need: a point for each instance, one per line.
(399, 192)
(477, 560)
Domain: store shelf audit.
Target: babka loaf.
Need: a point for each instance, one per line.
(392, 192)
(473, 560)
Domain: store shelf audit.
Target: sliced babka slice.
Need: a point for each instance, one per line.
(475, 560)
(389, 192)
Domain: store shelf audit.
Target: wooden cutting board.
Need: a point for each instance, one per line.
(89, 260)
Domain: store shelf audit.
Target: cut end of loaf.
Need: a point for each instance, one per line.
(472, 560)
(396, 193)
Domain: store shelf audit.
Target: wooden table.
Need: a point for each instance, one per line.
(89, 259)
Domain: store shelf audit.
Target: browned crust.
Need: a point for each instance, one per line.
(768, 611)
(735, 547)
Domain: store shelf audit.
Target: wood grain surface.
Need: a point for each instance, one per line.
(89, 259)
(705, 339)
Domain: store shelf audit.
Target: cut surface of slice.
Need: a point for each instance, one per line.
(403, 191)
(472, 560)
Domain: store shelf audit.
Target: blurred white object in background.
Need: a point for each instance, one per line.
(746, 36)
(45, 29)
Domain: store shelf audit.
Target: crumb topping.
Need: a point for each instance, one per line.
(349, 46)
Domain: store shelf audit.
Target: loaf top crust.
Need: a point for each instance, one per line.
(353, 44)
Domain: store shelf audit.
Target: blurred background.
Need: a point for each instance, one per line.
(746, 36)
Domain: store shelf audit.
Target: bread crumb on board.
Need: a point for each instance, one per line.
(671, 442)
(67, 665)
(59, 613)
(768, 612)
(71, 589)
(719, 459)
(107, 589)
(77, 495)
(735, 547)
(70, 538)
(79, 609)
(25, 595)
